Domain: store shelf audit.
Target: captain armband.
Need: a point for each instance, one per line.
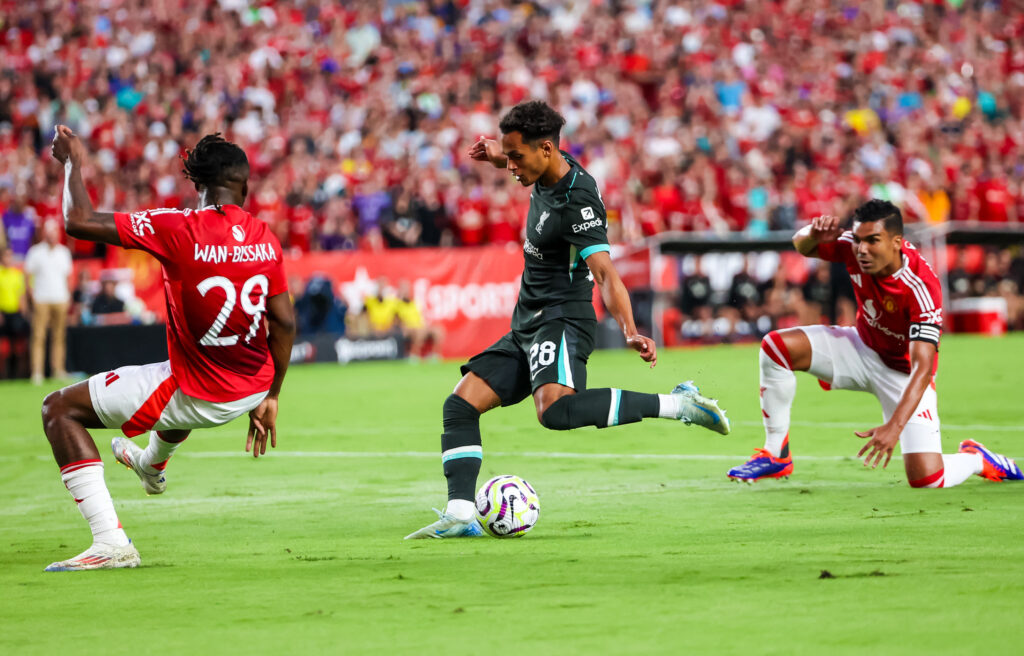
(925, 332)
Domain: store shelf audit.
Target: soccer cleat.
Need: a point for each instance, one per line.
(994, 467)
(694, 408)
(762, 465)
(129, 455)
(447, 526)
(99, 556)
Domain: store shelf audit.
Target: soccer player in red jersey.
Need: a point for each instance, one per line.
(230, 327)
(892, 353)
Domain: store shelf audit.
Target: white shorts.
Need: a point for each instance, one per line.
(147, 397)
(839, 357)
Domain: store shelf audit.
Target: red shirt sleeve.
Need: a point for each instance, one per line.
(154, 231)
(925, 301)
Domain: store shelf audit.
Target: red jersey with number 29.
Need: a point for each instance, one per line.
(219, 268)
(892, 311)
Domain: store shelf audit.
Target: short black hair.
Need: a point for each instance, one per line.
(535, 120)
(880, 210)
(216, 162)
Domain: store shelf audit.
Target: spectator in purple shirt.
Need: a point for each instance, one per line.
(20, 228)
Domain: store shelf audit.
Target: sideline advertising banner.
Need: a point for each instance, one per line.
(470, 292)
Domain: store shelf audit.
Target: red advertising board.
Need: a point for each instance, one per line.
(468, 291)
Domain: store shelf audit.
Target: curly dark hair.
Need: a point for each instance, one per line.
(215, 162)
(880, 210)
(535, 120)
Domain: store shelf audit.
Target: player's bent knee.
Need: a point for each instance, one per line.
(556, 416)
(456, 409)
(933, 480)
(775, 348)
(71, 403)
(52, 406)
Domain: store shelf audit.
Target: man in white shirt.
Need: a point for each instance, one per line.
(48, 265)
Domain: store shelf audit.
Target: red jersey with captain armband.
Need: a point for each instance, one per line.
(892, 310)
(219, 268)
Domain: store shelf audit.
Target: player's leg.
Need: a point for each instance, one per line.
(169, 416)
(558, 354)
(782, 353)
(498, 376)
(149, 464)
(67, 414)
(134, 399)
(461, 445)
(921, 444)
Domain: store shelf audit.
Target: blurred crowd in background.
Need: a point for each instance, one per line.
(693, 116)
(356, 116)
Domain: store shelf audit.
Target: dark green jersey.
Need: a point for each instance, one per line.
(566, 224)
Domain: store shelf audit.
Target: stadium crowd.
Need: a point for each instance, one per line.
(693, 116)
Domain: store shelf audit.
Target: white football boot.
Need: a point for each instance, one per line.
(694, 408)
(130, 455)
(448, 526)
(99, 556)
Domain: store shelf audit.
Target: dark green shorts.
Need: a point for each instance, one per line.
(517, 364)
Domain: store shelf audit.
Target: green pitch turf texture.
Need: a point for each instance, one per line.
(643, 546)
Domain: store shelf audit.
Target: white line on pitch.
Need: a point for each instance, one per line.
(499, 454)
(847, 424)
(390, 430)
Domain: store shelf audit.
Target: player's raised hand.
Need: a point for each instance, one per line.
(882, 441)
(66, 145)
(487, 150)
(825, 228)
(262, 422)
(645, 347)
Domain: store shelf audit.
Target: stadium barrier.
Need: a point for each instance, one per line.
(654, 260)
(93, 349)
(326, 347)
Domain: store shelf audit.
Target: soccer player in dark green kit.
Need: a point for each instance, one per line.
(566, 251)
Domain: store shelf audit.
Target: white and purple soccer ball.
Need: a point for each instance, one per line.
(507, 506)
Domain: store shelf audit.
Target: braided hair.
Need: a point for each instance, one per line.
(215, 162)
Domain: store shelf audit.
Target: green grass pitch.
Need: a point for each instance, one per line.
(643, 545)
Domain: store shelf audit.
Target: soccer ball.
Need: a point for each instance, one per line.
(507, 506)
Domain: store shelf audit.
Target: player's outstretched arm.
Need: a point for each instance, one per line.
(488, 150)
(80, 220)
(822, 229)
(616, 299)
(263, 419)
